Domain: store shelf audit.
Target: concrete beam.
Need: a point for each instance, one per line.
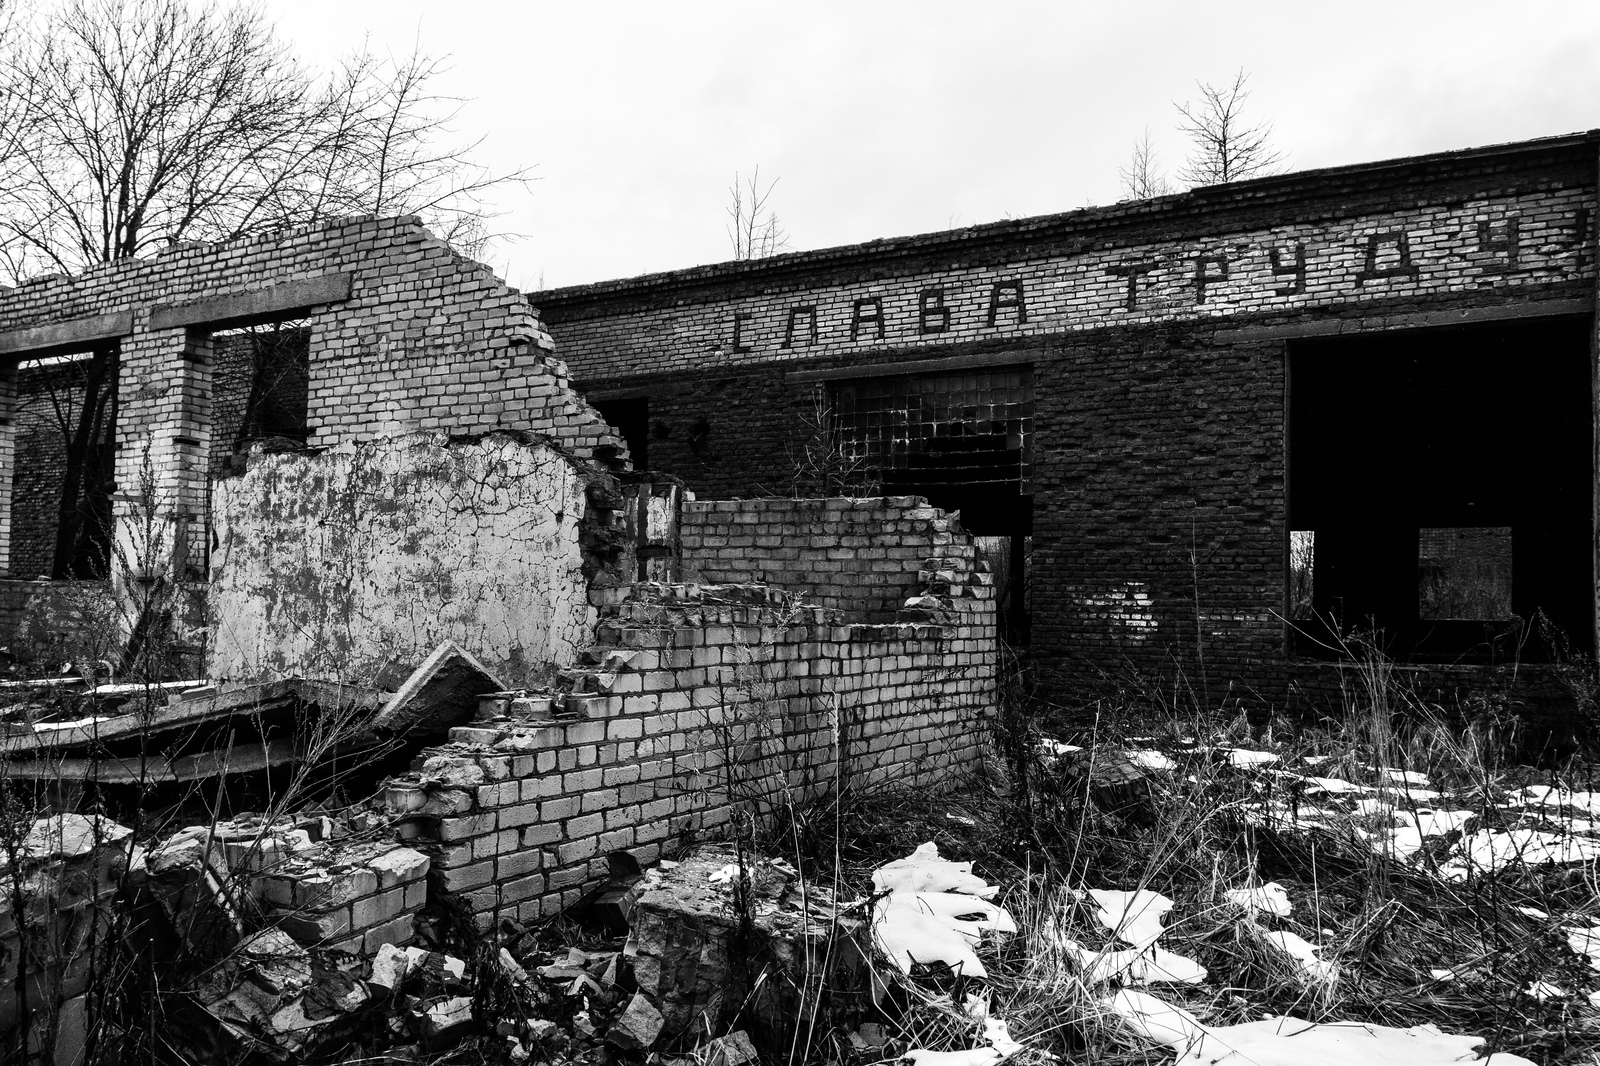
(1020, 356)
(1463, 316)
(73, 333)
(270, 302)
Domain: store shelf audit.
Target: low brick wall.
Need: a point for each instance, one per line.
(859, 556)
(700, 699)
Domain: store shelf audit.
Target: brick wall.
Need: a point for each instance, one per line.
(1158, 335)
(425, 340)
(699, 699)
(862, 557)
(1492, 226)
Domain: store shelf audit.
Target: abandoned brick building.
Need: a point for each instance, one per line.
(340, 474)
(1225, 422)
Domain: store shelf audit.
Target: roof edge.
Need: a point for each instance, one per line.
(1124, 210)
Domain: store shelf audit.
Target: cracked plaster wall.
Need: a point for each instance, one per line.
(361, 560)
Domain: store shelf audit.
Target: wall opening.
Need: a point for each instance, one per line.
(1440, 491)
(260, 383)
(65, 465)
(963, 440)
(631, 418)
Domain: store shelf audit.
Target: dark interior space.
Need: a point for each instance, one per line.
(65, 465)
(963, 441)
(261, 380)
(1440, 491)
(631, 418)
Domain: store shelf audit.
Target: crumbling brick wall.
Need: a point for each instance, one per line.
(861, 557)
(406, 335)
(707, 698)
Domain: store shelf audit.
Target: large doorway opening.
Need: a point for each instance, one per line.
(1440, 491)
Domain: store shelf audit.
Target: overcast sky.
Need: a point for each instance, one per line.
(883, 119)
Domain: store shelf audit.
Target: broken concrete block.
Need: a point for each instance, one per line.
(389, 968)
(276, 962)
(398, 867)
(697, 957)
(735, 1049)
(441, 693)
(637, 1027)
(445, 1022)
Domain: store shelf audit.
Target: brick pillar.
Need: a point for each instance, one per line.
(163, 444)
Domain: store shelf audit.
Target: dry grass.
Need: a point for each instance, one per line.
(1385, 922)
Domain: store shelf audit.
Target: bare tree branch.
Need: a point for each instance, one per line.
(1142, 177)
(1226, 146)
(126, 125)
(753, 228)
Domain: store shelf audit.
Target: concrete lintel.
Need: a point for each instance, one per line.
(242, 307)
(73, 333)
(1015, 357)
(1464, 316)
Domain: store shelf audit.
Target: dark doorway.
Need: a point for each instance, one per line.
(1441, 490)
(631, 418)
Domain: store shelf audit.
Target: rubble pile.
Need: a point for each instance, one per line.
(312, 877)
(55, 913)
(714, 940)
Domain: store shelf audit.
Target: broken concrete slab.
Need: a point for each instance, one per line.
(735, 1049)
(637, 1027)
(442, 692)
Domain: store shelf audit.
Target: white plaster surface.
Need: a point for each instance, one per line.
(365, 557)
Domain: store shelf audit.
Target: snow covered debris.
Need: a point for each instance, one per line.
(1145, 759)
(924, 871)
(910, 936)
(1305, 953)
(1271, 897)
(1244, 759)
(1586, 942)
(935, 911)
(978, 1056)
(1156, 1020)
(1135, 966)
(1290, 1041)
(1133, 917)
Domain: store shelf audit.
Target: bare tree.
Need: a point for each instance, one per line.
(141, 123)
(753, 227)
(1142, 177)
(128, 125)
(1227, 147)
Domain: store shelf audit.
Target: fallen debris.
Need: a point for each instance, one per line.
(760, 944)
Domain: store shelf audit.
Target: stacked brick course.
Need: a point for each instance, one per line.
(862, 557)
(698, 698)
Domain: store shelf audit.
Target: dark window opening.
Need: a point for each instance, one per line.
(965, 442)
(631, 418)
(65, 465)
(260, 388)
(1464, 574)
(1440, 491)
